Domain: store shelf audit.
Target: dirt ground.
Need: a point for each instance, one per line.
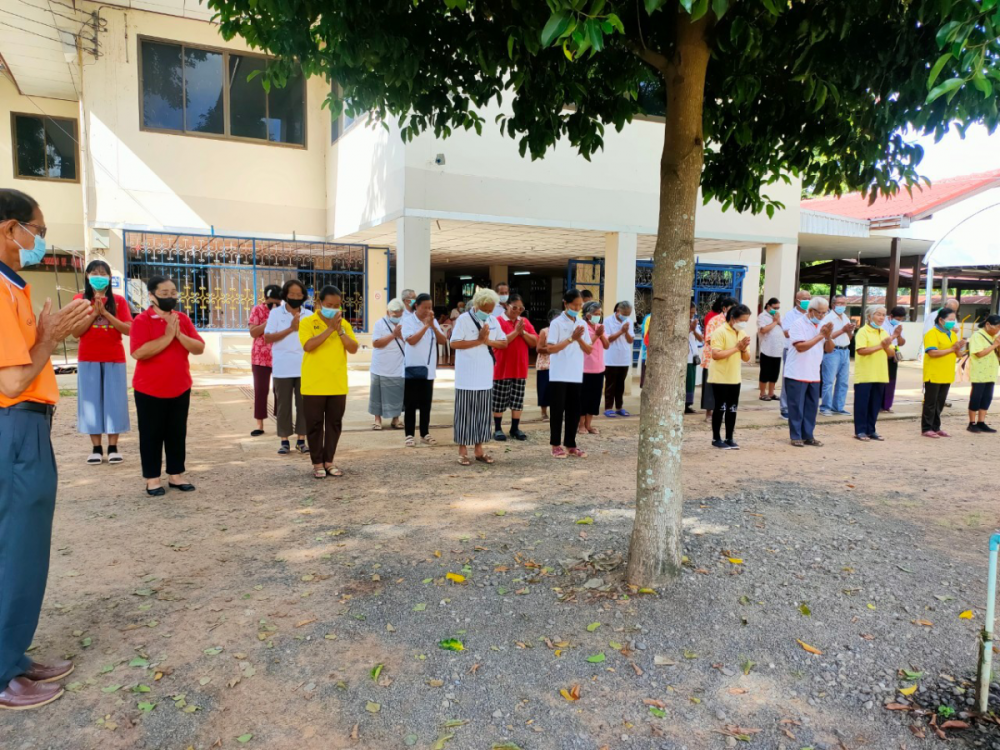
(272, 610)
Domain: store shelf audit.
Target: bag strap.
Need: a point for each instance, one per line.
(479, 328)
(389, 325)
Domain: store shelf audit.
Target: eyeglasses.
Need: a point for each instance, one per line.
(40, 231)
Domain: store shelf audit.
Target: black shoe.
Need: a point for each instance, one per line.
(256, 433)
(182, 487)
(689, 410)
(721, 445)
(983, 427)
(156, 492)
(499, 436)
(973, 427)
(732, 445)
(519, 435)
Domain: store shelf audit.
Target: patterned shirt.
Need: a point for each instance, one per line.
(542, 363)
(714, 324)
(260, 354)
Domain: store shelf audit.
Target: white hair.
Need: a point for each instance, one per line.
(395, 306)
(872, 310)
(406, 292)
(819, 303)
(485, 297)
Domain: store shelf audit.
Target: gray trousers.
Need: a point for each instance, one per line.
(27, 504)
(286, 392)
(783, 401)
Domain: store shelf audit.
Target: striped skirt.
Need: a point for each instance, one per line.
(102, 398)
(473, 417)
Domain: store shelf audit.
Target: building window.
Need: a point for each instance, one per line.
(343, 123)
(44, 147)
(201, 91)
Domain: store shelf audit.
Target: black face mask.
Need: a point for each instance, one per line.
(271, 305)
(295, 304)
(166, 304)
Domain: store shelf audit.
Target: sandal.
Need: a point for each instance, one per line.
(300, 446)
(863, 438)
(464, 461)
(410, 442)
(396, 425)
(428, 440)
(377, 426)
(594, 431)
(485, 459)
(333, 471)
(319, 473)
(285, 448)
(576, 453)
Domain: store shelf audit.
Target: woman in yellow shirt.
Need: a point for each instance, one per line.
(729, 346)
(326, 339)
(941, 349)
(873, 347)
(984, 366)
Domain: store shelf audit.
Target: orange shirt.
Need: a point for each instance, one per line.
(17, 336)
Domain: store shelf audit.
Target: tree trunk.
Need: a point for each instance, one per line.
(655, 550)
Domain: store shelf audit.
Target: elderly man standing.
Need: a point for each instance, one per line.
(407, 295)
(951, 303)
(789, 319)
(809, 338)
(837, 364)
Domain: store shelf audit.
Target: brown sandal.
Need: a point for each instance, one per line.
(464, 461)
(485, 459)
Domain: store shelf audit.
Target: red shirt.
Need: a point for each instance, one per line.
(512, 362)
(102, 342)
(167, 374)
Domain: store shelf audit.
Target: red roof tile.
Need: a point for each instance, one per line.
(924, 199)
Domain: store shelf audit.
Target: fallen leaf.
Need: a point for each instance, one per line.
(354, 732)
(146, 707)
(918, 731)
(214, 651)
(244, 738)
(955, 724)
(587, 521)
(439, 744)
(420, 608)
(810, 649)
(654, 702)
(658, 712)
(303, 623)
(804, 609)
(437, 553)
(736, 691)
(573, 694)
(593, 626)
(966, 615)
(747, 666)
(663, 661)
(372, 707)
(455, 577)
(596, 658)
(376, 671)
(735, 560)
(911, 675)
(451, 644)
(923, 623)
(505, 746)
(690, 654)
(897, 707)
(908, 690)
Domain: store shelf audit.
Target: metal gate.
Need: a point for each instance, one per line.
(586, 274)
(710, 281)
(221, 278)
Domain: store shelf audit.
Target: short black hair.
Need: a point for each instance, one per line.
(155, 281)
(772, 302)
(736, 311)
(330, 291)
(723, 300)
(502, 283)
(587, 294)
(553, 314)
(16, 205)
(272, 291)
(88, 290)
(421, 298)
(943, 313)
(897, 312)
(514, 297)
(571, 295)
(289, 284)
(993, 320)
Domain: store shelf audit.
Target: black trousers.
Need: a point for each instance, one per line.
(162, 428)
(727, 401)
(417, 394)
(935, 394)
(564, 406)
(324, 423)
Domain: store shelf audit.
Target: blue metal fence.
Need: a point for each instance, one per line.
(221, 278)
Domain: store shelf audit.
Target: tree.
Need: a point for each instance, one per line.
(753, 90)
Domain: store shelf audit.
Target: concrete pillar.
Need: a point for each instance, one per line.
(619, 268)
(781, 263)
(377, 284)
(499, 274)
(413, 254)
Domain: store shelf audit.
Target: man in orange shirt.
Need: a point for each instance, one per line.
(28, 393)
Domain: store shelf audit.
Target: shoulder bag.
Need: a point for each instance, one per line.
(421, 372)
(479, 328)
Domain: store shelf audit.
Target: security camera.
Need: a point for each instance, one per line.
(439, 160)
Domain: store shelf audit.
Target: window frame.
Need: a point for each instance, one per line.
(225, 135)
(342, 129)
(42, 116)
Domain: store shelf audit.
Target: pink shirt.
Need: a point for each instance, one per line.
(593, 363)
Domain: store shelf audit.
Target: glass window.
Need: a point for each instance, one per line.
(285, 114)
(45, 147)
(342, 123)
(247, 99)
(162, 86)
(204, 107)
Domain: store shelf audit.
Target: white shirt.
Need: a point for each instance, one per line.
(286, 355)
(772, 343)
(425, 348)
(839, 321)
(790, 319)
(455, 313)
(387, 362)
(694, 345)
(474, 367)
(804, 365)
(566, 366)
(929, 322)
(619, 354)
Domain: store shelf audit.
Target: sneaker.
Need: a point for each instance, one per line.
(689, 410)
(983, 427)
(499, 436)
(843, 413)
(733, 446)
(973, 427)
(931, 434)
(784, 415)
(558, 451)
(95, 458)
(825, 413)
(610, 413)
(942, 433)
(623, 413)
(722, 445)
(518, 434)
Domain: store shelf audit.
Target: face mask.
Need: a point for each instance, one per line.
(572, 313)
(482, 316)
(595, 319)
(329, 312)
(100, 283)
(620, 318)
(774, 311)
(461, 308)
(504, 298)
(740, 325)
(803, 304)
(949, 324)
(395, 321)
(839, 309)
(34, 255)
(166, 303)
(295, 304)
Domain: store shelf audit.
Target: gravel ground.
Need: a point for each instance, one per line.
(311, 615)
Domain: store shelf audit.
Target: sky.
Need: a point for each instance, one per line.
(953, 156)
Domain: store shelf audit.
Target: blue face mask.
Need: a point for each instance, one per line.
(572, 313)
(329, 312)
(949, 324)
(804, 304)
(483, 317)
(394, 321)
(839, 309)
(620, 317)
(595, 319)
(100, 283)
(504, 298)
(34, 255)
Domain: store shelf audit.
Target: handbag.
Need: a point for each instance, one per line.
(479, 328)
(420, 372)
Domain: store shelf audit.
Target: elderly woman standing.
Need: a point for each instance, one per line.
(942, 347)
(983, 370)
(872, 349)
(593, 368)
(385, 396)
(260, 355)
(618, 360)
(473, 339)
(421, 336)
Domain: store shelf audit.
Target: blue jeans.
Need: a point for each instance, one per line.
(836, 372)
(803, 399)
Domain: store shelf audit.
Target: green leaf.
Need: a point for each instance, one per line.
(593, 626)
(658, 712)
(804, 609)
(244, 738)
(615, 21)
(982, 84)
(85, 643)
(652, 5)
(214, 651)
(719, 7)
(912, 676)
(597, 7)
(595, 35)
(937, 68)
(141, 689)
(510, 47)
(376, 671)
(586, 521)
(772, 8)
(111, 689)
(146, 707)
(952, 84)
(947, 33)
(699, 9)
(615, 645)
(555, 27)
(596, 658)
(451, 644)
(687, 5)
(420, 607)
(747, 666)
(139, 662)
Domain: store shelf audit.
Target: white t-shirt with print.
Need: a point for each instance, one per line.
(426, 348)
(286, 355)
(474, 367)
(566, 366)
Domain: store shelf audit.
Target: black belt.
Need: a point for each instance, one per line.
(47, 409)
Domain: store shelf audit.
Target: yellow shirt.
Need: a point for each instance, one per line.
(939, 369)
(870, 368)
(982, 369)
(725, 371)
(324, 369)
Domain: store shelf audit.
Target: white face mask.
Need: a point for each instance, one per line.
(740, 325)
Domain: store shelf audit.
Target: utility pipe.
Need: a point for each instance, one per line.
(986, 654)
